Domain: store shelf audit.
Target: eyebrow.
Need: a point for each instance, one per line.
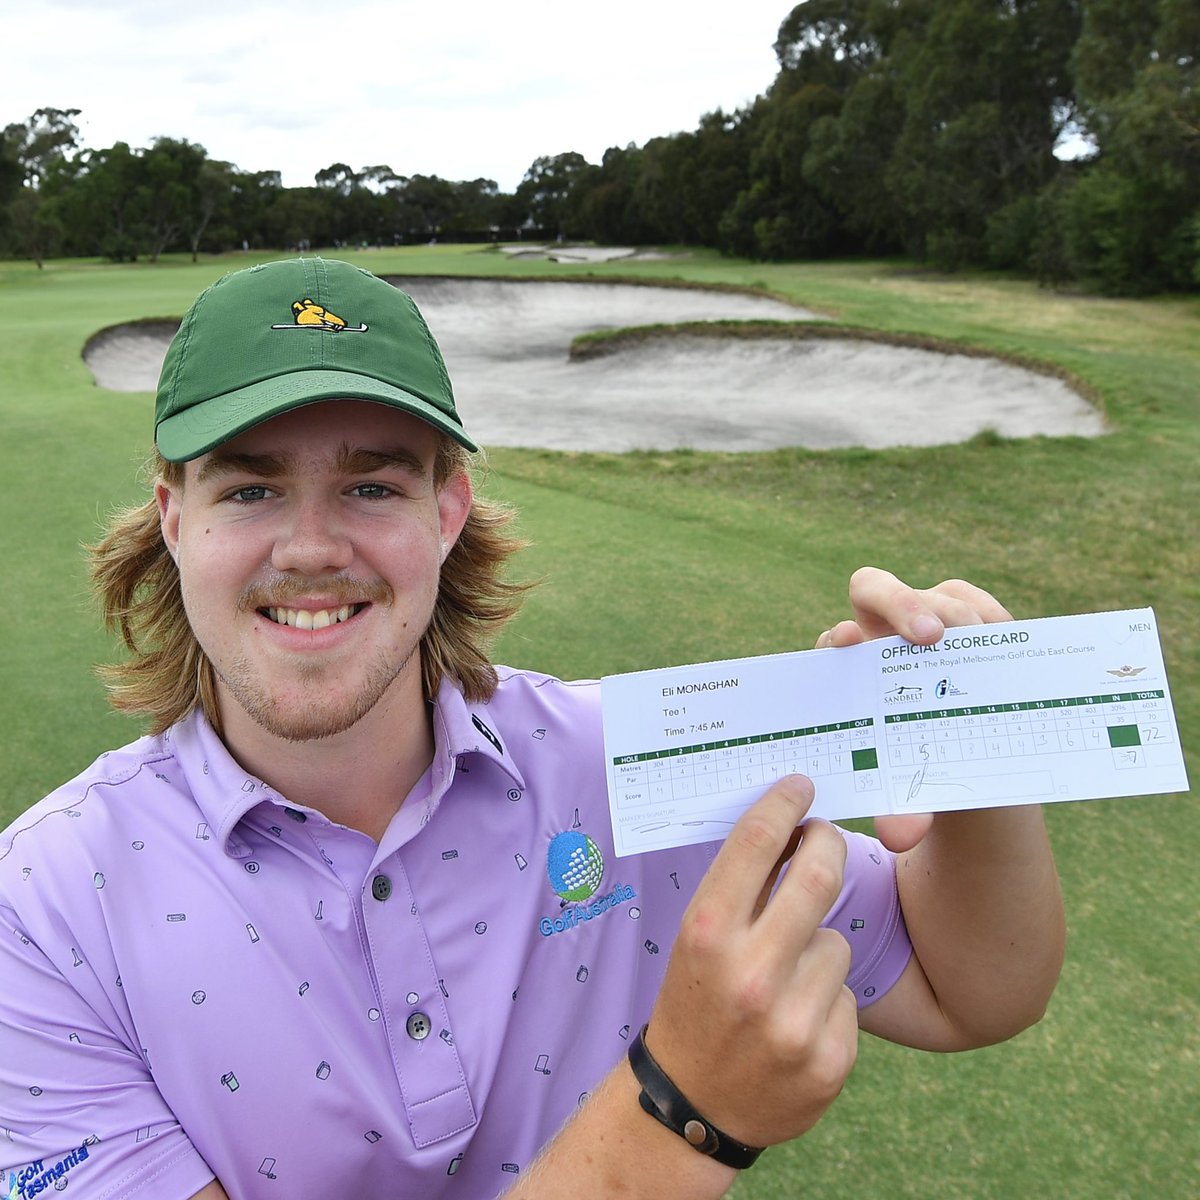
(222, 462)
(358, 460)
(350, 460)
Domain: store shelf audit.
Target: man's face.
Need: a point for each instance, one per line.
(309, 549)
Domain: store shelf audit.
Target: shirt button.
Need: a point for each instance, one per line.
(381, 887)
(418, 1027)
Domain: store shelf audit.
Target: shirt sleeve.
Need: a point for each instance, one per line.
(868, 915)
(78, 1106)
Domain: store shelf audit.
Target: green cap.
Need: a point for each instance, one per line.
(271, 338)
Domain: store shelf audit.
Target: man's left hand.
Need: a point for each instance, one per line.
(884, 605)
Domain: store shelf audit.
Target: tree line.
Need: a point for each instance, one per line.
(1059, 138)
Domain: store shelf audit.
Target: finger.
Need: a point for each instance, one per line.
(885, 605)
(957, 603)
(842, 1046)
(950, 610)
(902, 831)
(822, 966)
(808, 890)
(780, 863)
(981, 602)
(844, 633)
(732, 885)
(818, 998)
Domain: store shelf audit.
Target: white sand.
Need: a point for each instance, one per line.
(586, 254)
(506, 345)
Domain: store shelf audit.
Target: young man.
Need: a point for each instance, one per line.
(348, 919)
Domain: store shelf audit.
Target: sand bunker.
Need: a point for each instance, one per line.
(564, 252)
(506, 344)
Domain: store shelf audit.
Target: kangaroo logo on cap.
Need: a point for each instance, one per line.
(311, 315)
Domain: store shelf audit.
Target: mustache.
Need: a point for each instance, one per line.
(279, 591)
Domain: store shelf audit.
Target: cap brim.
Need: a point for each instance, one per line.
(200, 428)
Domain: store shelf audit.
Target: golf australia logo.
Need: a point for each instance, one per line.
(575, 867)
(311, 315)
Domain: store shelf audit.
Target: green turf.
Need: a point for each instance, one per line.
(658, 558)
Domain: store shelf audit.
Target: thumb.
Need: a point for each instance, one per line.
(902, 831)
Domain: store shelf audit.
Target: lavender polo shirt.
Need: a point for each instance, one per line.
(198, 978)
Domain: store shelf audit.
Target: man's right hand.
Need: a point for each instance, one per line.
(754, 1023)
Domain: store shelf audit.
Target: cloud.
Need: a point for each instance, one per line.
(479, 91)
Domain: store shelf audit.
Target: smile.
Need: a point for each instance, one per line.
(304, 618)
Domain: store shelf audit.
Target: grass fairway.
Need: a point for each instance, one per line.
(651, 559)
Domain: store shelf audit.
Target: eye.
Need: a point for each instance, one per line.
(372, 491)
(250, 493)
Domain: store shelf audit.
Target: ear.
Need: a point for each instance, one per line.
(170, 504)
(454, 506)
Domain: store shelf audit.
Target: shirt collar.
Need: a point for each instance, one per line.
(225, 793)
(461, 729)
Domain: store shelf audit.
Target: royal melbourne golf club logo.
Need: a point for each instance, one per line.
(309, 314)
(575, 867)
(1126, 672)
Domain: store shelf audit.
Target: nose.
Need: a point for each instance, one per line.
(312, 540)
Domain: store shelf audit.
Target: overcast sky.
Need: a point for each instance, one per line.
(462, 89)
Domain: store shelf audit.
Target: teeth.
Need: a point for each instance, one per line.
(303, 618)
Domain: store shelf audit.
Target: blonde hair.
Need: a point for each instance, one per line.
(137, 584)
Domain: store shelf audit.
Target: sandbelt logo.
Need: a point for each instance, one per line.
(576, 870)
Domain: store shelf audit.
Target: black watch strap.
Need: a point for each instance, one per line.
(668, 1105)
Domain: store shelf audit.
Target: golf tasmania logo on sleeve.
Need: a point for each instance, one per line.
(42, 1176)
